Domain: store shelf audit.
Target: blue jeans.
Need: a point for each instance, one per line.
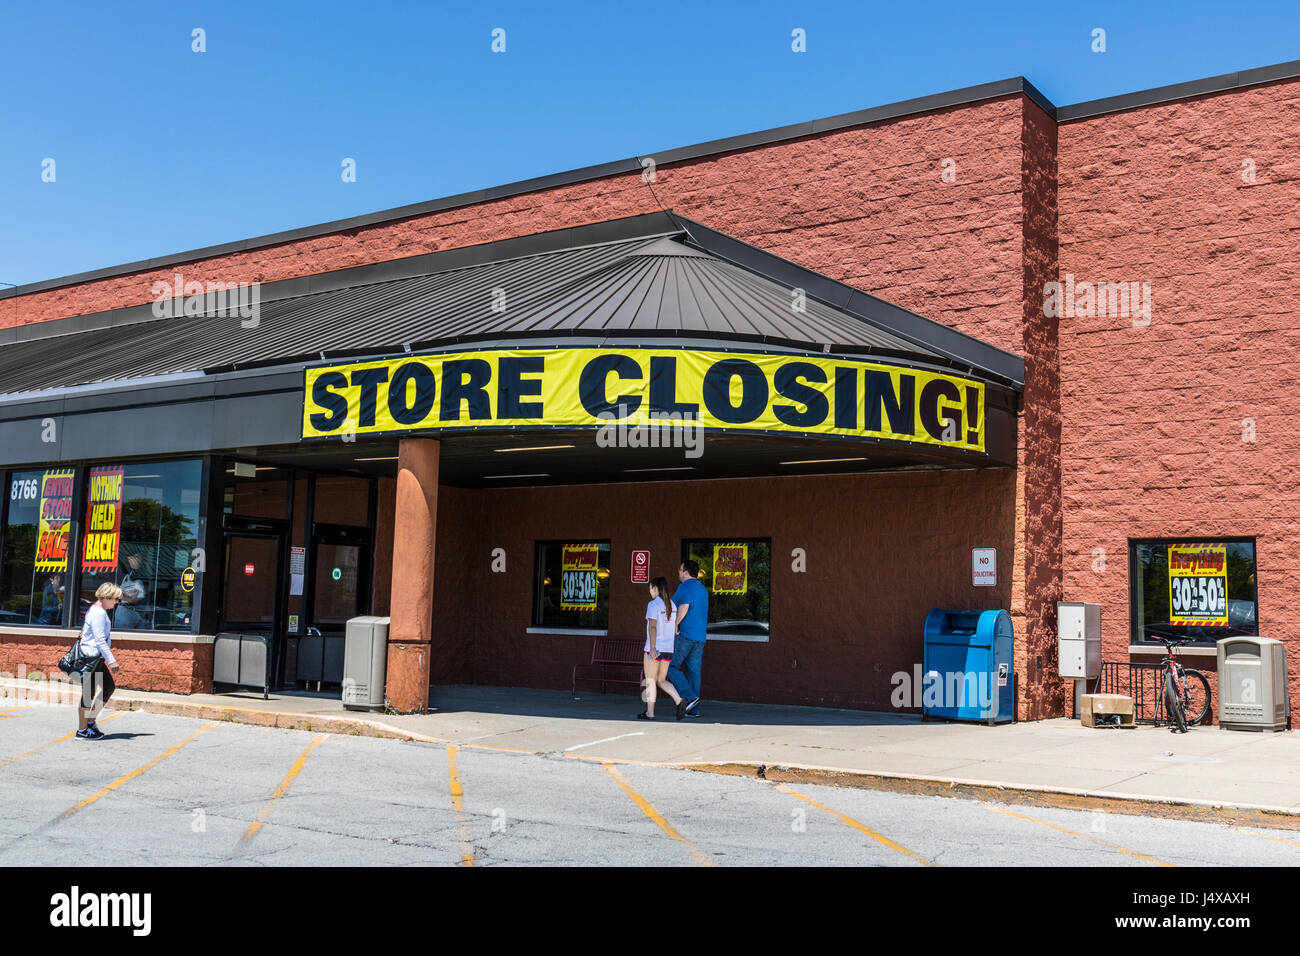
(684, 671)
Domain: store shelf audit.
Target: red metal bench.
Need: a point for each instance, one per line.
(609, 652)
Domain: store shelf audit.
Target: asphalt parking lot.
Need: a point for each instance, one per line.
(162, 790)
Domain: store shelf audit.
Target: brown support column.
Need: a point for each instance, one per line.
(415, 527)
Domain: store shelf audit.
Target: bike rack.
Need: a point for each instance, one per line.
(1144, 682)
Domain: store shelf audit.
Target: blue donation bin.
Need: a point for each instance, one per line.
(968, 672)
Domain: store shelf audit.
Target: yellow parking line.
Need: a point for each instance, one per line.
(861, 827)
(280, 791)
(37, 750)
(135, 773)
(458, 803)
(1086, 836)
(1263, 836)
(10, 711)
(700, 856)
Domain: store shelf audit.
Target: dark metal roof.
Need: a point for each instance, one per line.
(648, 285)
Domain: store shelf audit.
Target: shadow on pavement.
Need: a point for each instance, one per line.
(531, 702)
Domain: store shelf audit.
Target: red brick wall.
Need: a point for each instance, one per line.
(1152, 441)
(1038, 494)
(144, 665)
(882, 550)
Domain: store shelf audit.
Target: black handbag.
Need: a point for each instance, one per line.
(73, 661)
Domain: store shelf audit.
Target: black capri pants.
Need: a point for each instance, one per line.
(97, 682)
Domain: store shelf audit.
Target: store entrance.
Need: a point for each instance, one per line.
(252, 602)
(338, 591)
(298, 546)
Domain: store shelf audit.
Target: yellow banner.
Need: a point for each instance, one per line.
(1198, 584)
(644, 387)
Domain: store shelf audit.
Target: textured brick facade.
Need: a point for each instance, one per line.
(145, 665)
(1155, 417)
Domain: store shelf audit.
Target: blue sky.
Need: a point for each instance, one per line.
(159, 149)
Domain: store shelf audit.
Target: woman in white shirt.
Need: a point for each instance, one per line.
(659, 614)
(97, 641)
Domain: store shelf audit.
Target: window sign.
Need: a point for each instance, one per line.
(103, 520)
(34, 564)
(730, 568)
(55, 520)
(1198, 585)
(572, 585)
(579, 565)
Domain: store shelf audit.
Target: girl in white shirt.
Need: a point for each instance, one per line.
(659, 614)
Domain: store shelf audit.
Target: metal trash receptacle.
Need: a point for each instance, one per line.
(242, 659)
(968, 671)
(365, 663)
(1253, 689)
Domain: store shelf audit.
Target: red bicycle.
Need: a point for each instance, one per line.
(1186, 691)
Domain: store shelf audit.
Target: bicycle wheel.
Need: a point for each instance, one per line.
(1174, 706)
(1196, 697)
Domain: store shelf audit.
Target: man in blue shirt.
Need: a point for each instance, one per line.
(692, 600)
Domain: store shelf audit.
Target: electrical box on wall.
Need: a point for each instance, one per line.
(1078, 633)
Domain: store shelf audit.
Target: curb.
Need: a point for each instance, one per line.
(1065, 798)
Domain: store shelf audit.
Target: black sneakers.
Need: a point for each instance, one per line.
(91, 733)
(693, 708)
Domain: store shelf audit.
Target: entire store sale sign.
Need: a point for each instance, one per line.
(55, 520)
(1198, 584)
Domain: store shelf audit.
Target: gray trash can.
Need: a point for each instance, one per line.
(1253, 691)
(365, 663)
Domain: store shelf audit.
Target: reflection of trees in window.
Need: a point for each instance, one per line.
(20, 553)
(1151, 566)
(754, 605)
(144, 519)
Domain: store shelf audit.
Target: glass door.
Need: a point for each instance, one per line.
(340, 590)
(252, 582)
(250, 623)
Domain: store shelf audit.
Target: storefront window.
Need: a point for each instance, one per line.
(1193, 589)
(140, 532)
(738, 574)
(34, 566)
(572, 584)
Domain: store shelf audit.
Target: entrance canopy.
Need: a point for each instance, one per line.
(632, 349)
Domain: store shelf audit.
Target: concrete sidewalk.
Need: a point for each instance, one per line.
(1205, 768)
